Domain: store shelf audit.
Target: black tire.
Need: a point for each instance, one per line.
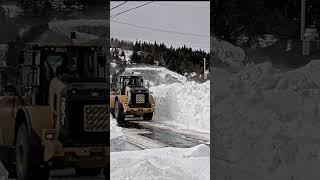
(88, 171)
(147, 116)
(119, 112)
(28, 157)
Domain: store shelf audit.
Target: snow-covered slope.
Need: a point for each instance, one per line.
(227, 53)
(83, 27)
(268, 121)
(127, 55)
(164, 163)
(158, 75)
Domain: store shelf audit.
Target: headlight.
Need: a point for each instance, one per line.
(49, 136)
(62, 110)
(74, 91)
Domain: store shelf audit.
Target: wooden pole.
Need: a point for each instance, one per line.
(303, 18)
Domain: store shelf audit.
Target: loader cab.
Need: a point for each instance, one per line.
(40, 63)
(127, 80)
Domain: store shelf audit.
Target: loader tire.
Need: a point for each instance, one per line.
(119, 113)
(112, 112)
(28, 158)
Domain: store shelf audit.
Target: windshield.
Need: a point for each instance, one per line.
(81, 63)
(54, 61)
(133, 81)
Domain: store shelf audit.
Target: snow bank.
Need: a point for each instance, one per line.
(117, 138)
(227, 53)
(165, 163)
(269, 121)
(183, 104)
(158, 75)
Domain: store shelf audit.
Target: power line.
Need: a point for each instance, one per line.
(170, 4)
(118, 5)
(162, 30)
(131, 9)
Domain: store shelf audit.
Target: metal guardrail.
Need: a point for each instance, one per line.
(3, 172)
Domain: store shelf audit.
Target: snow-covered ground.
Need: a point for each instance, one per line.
(128, 162)
(268, 121)
(83, 27)
(163, 163)
(227, 53)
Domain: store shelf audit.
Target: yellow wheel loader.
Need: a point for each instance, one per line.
(130, 97)
(58, 116)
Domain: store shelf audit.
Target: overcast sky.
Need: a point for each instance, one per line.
(186, 17)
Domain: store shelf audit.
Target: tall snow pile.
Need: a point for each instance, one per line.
(226, 52)
(183, 104)
(164, 163)
(268, 121)
(158, 75)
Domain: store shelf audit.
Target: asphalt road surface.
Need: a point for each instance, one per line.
(149, 134)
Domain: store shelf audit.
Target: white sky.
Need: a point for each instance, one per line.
(188, 17)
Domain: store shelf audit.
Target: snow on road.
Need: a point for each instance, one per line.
(163, 163)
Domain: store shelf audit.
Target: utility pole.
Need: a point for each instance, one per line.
(305, 44)
(303, 18)
(204, 68)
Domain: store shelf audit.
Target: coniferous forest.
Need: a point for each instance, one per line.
(181, 59)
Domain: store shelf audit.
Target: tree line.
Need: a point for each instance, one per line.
(181, 59)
